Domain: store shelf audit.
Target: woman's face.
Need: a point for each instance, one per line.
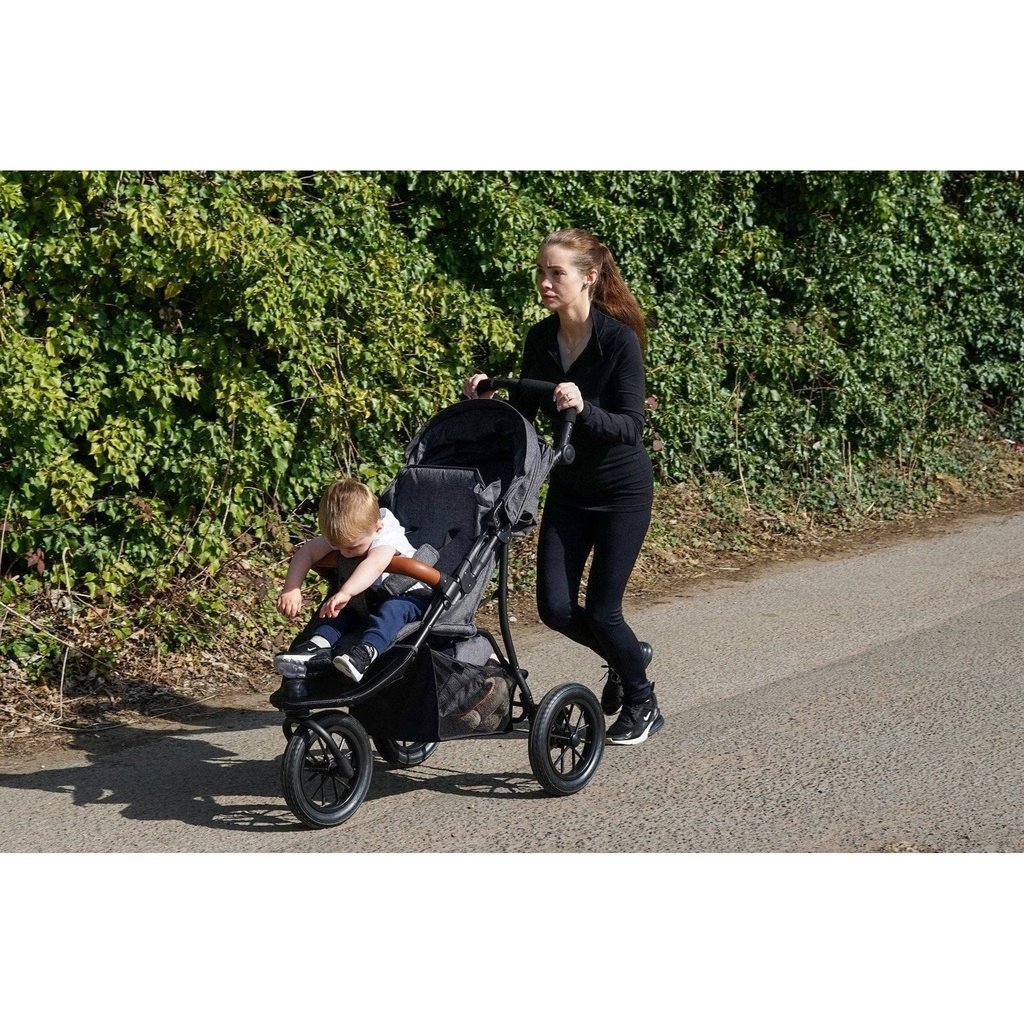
(559, 282)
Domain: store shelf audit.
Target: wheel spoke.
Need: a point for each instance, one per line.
(573, 756)
(316, 791)
(338, 787)
(322, 780)
(568, 739)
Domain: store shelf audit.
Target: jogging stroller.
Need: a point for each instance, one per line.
(470, 482)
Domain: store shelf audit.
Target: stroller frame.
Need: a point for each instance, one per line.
(328, 762)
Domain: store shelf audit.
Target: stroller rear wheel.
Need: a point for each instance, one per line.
(566, 739)
(324, 787)
(405, 753)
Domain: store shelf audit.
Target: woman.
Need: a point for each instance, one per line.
(593, 344)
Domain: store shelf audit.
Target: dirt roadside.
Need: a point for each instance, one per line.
(149, 698)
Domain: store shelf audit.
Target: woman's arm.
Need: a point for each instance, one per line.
(624, 421)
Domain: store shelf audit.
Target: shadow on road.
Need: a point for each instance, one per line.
(392, 781)
(183, 777)
(187, 778)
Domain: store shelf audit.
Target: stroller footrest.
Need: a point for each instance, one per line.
(332, 689)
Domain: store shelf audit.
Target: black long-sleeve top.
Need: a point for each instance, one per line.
(612, 470)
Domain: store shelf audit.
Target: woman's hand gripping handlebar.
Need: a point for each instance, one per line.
(564, 450)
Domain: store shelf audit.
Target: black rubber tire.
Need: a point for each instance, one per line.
(404, 753)
(566, 739)
(316, 791)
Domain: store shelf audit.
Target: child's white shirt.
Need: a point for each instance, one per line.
(392, 535)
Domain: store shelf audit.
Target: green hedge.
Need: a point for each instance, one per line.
(186, 357)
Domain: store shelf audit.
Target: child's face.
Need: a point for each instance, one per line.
(358, 547)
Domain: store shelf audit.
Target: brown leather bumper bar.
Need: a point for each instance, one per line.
(399, 564)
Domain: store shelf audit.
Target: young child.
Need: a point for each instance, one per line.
(352, 523)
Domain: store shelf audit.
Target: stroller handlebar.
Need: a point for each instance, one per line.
(545, 387)
(415, 569)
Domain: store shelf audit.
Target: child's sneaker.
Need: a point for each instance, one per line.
(292, 664)
(636, 723)
(356, 661)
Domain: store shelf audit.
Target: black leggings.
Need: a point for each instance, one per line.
(567, 536)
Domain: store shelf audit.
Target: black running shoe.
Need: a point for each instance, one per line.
(659, 718)
(293, 664)
(636, 723)
(611, 695)
(356, 661)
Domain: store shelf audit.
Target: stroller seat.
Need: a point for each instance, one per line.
(446, 508)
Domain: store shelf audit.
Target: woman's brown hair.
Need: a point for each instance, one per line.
(609, 292)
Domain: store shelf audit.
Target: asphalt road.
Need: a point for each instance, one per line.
(865, 702)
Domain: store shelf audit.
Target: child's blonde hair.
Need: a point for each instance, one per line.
(348, 512)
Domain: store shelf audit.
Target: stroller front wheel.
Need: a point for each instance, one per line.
(566, 739)
(325, 782)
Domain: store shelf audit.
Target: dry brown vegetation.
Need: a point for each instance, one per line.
(100, 689)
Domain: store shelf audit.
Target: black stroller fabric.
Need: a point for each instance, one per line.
(440, 697)
(490, 436)
(446, 508)
(473, 463)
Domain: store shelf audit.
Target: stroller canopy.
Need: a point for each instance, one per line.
(489, 435)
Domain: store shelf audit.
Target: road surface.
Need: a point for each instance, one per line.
(865, 702)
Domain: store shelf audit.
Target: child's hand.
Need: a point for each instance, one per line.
(333, 605)
(290, 602)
